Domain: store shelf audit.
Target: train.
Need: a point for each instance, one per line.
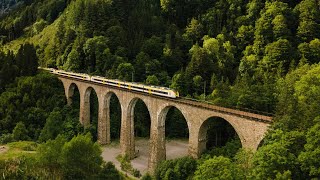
(131, 86)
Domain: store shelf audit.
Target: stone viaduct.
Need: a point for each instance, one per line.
(249, 127)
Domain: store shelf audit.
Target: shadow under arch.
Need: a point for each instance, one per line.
(175, 128)
(73, 96)
(140, 121)
(262, 143)
(113, 111)
(217, 132)
(91, 106)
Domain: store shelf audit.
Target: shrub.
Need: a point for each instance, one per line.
(136, 173)
(181, 168)
(6, 138)
(109, 171)
(147, 176)
(20, 132)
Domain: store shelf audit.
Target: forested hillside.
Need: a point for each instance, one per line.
(7, 5)
(255, 54)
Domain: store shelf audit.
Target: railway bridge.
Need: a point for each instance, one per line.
(250, 127)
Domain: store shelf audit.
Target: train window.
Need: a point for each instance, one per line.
(161, 92)
(111, 82)
(137, 87)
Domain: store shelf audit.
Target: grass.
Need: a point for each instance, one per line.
(18, 149)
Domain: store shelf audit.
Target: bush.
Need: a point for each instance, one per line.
(124, 163)
(81, 158)
(162, 168)
(23, 167)
(185, 167)
(109, 171)
(20, 132)
(219, 168)
(181, 168)
(136, 173)
(6, 138)
(147, 176)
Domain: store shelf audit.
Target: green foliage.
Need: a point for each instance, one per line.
(30, 100)
(81, 157)
(20, 132)
(77, 158)
(279, 155)
(244, 161)
(125, 71)
(176, 119)
(18, 168)
(142, 122)
(27, 60)
(255, 54)
(126, 166)
(109, 171)
(6, 138)
(50, 154)
(52, 127)
(194, 30)
(229, 150)
(297, 99)
(217, 168)
(125, 163)
(181, 168)
(152, 80)
(309, 157)
(94, 52)
(147, 176)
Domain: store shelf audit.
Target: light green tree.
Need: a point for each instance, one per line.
(310, 157)
(125, 71)
(20, 132)
(152, 80)
(194, 31)
(81, 158)
(217, 168)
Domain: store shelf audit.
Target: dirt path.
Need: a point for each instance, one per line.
(3, 149)
(174, 148)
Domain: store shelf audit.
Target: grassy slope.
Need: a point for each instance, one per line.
(17, 149)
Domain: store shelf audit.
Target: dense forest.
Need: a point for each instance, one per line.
(254, 54)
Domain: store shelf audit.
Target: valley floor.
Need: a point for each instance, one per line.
(175, 149)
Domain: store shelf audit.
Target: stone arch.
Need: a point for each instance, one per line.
(202, 134)
(105, 117)
(70, 92)
(162, 121)
(261, 143)
(85, 105)
(164, 111)
(130, 118)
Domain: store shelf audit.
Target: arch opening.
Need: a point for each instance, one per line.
(176, 132)
(73, 97)
(93, 104)
(72, 112)
(218, 137)
(262, 143)
(114, 107)
(142, 121)
(139, 117)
